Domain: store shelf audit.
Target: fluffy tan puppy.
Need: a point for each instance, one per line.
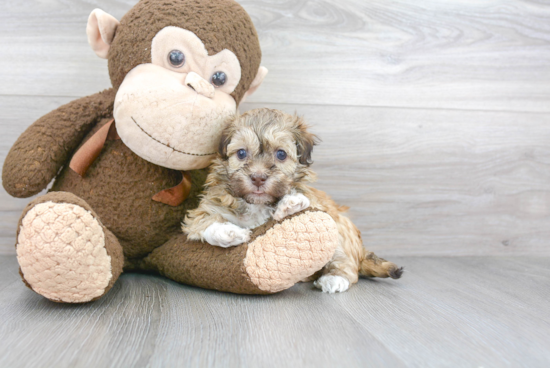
(263, 172)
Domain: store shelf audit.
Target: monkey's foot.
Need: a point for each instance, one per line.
(290, 250)
(64, 252)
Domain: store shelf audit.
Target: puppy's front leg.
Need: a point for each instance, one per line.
(289, 205)
(213, 229)
(225, 234)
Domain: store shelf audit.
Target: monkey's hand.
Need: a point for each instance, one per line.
(225, 235)
(289, 205)
(38, 154)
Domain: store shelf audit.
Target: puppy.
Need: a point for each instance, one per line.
(263, 172)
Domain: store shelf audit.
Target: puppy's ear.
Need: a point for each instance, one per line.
(304, 141)
(226, 136)
(224, 142)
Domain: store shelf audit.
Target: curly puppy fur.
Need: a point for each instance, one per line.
(251, 181)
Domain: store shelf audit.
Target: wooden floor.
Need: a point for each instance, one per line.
(445, 312)
(435, 121)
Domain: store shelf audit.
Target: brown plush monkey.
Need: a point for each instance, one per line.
(179, 68)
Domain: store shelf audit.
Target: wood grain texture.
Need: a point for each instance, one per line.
(453, 312)
(419, 182)
(460, 54)
(435, 124)
(440, 182)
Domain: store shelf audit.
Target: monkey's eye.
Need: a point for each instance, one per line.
(219, 79)
(241, 154)
(176, 58)
(281, 155)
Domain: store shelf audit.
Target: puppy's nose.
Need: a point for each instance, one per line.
(258, 179)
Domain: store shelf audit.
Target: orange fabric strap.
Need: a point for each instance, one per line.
(89, 151)
(176, 195)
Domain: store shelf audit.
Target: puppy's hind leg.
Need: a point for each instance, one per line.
(366, 262)
(351, 259)
(338, 274)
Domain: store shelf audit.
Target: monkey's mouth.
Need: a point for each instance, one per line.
(167, 145)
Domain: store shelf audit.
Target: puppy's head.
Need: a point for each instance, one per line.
(264, 154)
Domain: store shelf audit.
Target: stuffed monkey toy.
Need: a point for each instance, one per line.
(129, 162)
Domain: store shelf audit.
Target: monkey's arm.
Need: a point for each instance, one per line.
(277, 255)
(47, 144)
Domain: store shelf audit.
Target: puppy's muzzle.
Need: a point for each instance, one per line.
(258, 179)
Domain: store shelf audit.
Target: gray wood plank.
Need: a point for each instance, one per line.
(266, 332)
(150, 321)
(443, 182)
(459, 54)
(419, 182)
(461, 312)
(423, 177)
(444, 312)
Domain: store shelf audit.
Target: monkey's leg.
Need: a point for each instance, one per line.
(65, 254)
(278, 255)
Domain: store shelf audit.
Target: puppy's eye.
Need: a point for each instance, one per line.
(241, 154)
(218, 79)
(281, 155)
(176, 58)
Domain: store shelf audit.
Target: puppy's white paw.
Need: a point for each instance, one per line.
(226, 234)
(332, 284)
(289, 205)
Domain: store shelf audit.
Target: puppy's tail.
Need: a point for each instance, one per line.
(373, 266)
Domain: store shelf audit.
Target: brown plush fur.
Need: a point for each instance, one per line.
(230, 188)
(40, 152)
(119, 185)
(220, 24)
(122, 197)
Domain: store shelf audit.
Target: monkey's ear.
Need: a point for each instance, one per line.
(101, 30)
(262, 72)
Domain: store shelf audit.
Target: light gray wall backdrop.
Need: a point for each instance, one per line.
(435, 117)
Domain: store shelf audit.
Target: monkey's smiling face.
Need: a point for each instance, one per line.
(171, 112)
(179, 69)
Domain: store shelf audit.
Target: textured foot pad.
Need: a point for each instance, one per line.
(61, 252)
(291, 251)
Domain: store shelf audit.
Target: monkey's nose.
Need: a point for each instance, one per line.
(258, 179)
(200, 86)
